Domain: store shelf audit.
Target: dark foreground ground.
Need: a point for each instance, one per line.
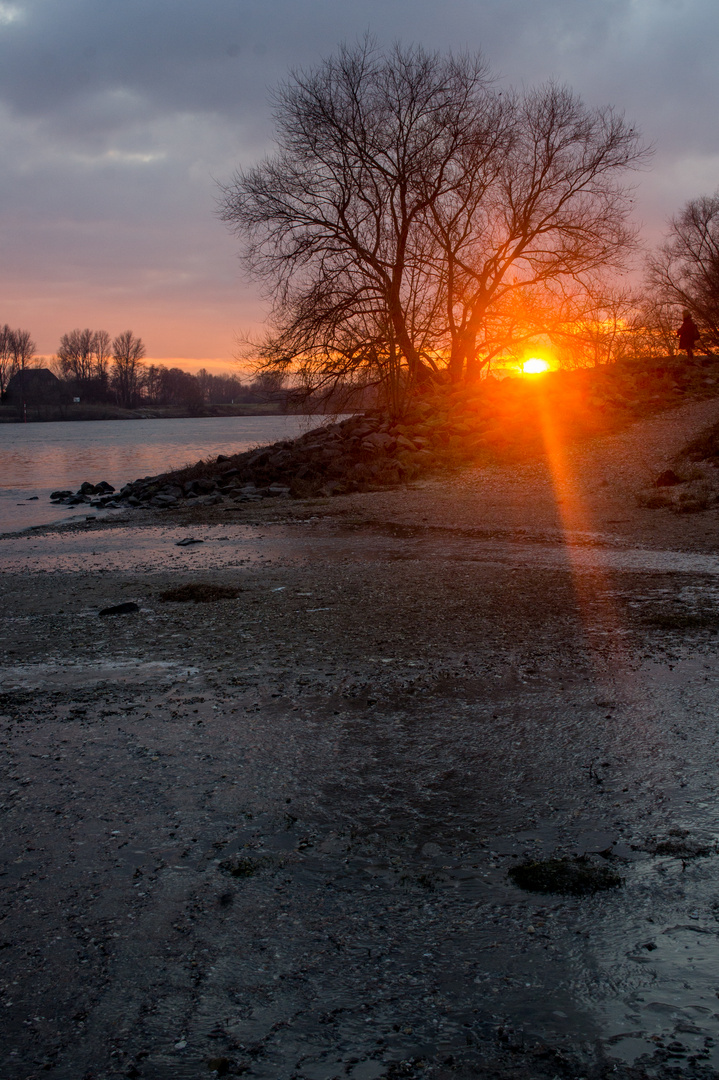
(271, 835)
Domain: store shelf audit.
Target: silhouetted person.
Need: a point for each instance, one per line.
(688, 334)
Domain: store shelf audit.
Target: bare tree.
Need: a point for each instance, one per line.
(596, 325)
(7, 359)
(22, 348)
(655, 330)
(685, 270)
(127, 367)
(101, 355)
(153, 382)
(553, 213)
(336, 222)
(409, 200)
(76, 354)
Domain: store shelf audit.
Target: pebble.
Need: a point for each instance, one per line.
(120, 609)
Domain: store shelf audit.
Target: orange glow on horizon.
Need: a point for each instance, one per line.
(215, 365)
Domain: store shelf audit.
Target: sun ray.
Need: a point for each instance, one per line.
(594, 589)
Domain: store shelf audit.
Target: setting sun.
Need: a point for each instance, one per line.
(535, 366)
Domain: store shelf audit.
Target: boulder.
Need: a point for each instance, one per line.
(334, 487)
(120, 609)
(378, 441)
(259, 458)
(365, 426)
(277, 461)
(668, 478)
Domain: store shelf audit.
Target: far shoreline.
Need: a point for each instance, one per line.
(101, 412)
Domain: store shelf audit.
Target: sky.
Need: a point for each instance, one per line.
(119, 118)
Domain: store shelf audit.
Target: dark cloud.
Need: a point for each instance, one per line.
(116, 116)
(97, 64)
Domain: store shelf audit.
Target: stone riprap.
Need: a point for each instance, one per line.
(101, 494)
(357, 454)
(499, 420)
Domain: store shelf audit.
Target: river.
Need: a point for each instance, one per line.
(36, 459)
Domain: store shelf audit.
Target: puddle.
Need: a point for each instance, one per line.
(139, 549)
(672, 1005)
(154, 548)
(68, 675)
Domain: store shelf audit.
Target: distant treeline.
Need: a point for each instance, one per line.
(91, 368)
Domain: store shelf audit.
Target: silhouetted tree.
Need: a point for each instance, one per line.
(152, 382)
(409, 199)
(101, 356)
(127, 368)
(83, 359)
(22, 348)
(685, 270)
(76, 355)
(7, 360)
(180, 388)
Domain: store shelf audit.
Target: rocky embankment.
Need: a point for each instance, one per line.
(500, 420)
(359, 453)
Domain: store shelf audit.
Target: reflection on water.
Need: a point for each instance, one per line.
(37, 456)
(36, 459)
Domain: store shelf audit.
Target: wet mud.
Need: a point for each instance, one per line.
(271, 835)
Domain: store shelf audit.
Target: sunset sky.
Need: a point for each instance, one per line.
(119, 117)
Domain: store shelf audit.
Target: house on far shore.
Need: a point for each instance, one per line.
(35, 388)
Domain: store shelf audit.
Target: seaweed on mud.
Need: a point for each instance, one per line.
(200, 592)
(568, 876)
(684, 620)
(241, 867)
(128, 608)
(219, 1065)
(679, 845)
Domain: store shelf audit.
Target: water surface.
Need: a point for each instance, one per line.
(36, 459)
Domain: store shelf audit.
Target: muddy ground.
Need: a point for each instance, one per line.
(271, 835)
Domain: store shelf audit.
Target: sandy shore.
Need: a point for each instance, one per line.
(271, 835)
